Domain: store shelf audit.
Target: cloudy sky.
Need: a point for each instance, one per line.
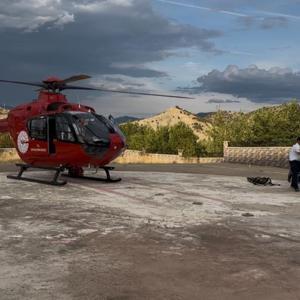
(234, 54)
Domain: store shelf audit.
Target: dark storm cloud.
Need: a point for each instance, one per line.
(219, 101)
(93, 37)
(258, 85)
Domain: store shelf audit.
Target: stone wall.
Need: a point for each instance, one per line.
(264, 156)
(131, 157)
(140, 157)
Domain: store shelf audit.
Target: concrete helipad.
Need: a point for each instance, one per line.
(152, 236)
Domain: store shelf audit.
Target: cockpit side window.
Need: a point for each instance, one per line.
(63, 130)
(38, 128)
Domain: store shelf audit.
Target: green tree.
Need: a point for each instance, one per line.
(138, 137)
(271, 126)
(165, 139)
(162, 141)
(218, 132)
(276, 126)
(182, 137)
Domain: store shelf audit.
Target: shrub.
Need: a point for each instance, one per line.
(6, 141)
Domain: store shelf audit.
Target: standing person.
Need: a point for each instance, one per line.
(294, 158)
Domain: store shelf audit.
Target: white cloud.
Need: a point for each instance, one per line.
(29, 15)
(102, 6)
(65, 18)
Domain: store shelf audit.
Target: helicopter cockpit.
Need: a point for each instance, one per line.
(91, 128)
(74, 127)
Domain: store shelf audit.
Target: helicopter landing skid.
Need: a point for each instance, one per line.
(108, 178)
(24, 168)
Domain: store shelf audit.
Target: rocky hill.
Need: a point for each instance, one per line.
(173, 116)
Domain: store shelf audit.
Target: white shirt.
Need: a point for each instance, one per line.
(295, 152)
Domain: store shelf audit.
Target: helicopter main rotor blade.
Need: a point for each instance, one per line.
(70, 87)
(62, 85)
(23, 83)
(76, 78)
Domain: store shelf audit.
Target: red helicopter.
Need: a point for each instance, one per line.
(51, 133)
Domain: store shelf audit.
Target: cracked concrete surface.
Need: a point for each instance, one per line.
(152, 236)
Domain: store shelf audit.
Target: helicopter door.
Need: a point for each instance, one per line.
(51, 134)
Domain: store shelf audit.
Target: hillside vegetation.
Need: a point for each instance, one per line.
(6, 141)
(271, 126)
(165, 139)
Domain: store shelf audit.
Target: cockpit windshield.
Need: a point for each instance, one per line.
(90, 128)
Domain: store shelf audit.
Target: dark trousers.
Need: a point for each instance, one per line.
(295, 168)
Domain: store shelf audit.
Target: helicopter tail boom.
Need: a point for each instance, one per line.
(4, 126)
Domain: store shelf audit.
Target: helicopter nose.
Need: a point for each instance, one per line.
(117, 142)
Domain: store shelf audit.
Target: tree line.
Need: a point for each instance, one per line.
(167, 140)
(269, 126)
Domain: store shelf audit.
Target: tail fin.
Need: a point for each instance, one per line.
(3, 125)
